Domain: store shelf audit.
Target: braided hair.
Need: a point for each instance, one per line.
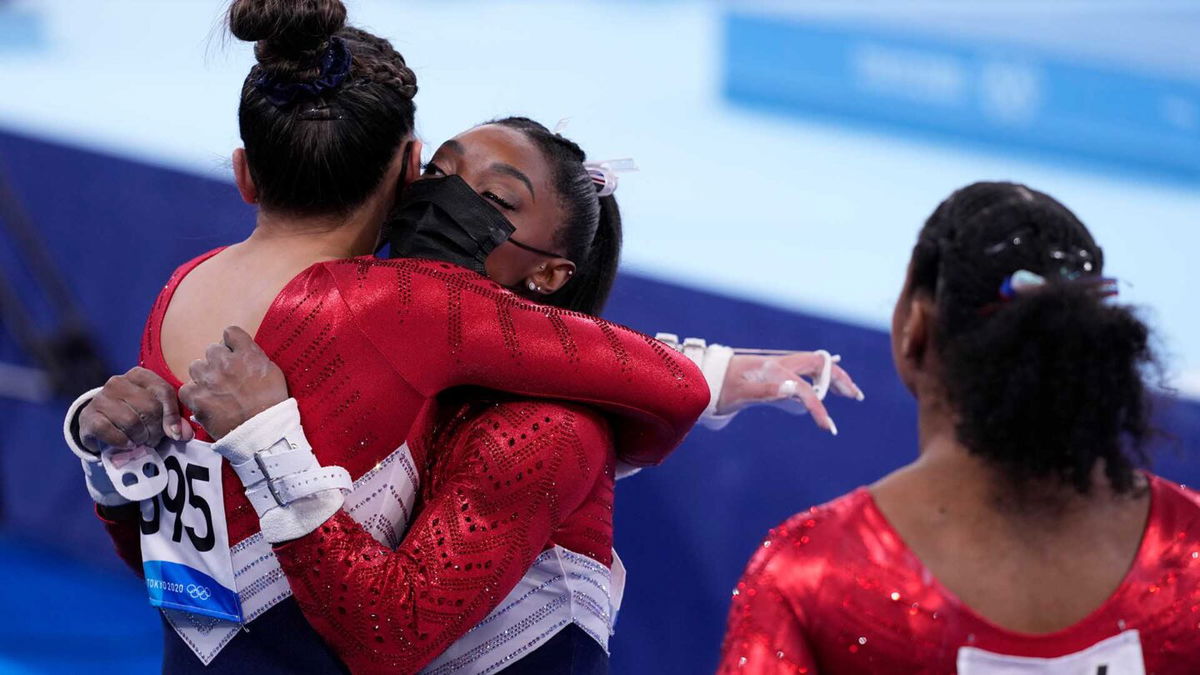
(591, 233)
(1050, 383)
(326, 150)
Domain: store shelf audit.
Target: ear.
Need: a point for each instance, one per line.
(241, 174)
(548, 277)
(916, 330)
(405, 166)
(412, 170)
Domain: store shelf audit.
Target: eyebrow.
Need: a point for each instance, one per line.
(499, 167)
(513, 171)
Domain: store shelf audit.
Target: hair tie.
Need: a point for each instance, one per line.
(1023, 282)
(335, 66)
(604, 174)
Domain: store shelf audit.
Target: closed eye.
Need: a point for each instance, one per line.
(487, 194)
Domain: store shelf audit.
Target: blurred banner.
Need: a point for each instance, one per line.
(982, 88)
(20, 28)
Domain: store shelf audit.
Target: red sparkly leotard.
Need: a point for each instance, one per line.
(507, 480)
(366, 345)
(834, 590)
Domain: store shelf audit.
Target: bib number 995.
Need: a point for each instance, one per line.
(189, 481)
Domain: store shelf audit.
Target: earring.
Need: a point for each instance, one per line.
(532, 286)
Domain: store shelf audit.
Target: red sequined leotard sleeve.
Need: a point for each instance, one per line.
(441, 326)
(835, 590)
(509, 480)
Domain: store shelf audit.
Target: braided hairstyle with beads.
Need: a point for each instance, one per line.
(327, 151)
(1050, 383)
(591, 235)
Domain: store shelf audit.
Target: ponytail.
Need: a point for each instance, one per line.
(588, 291)
(1050, 382)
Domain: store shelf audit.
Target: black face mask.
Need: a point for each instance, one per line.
(444, 219)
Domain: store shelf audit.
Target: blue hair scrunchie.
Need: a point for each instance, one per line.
(335, 66)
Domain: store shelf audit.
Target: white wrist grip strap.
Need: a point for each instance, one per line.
(274, 493)
(713, 360)
(290, 491)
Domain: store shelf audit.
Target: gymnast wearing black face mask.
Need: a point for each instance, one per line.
(518, 204)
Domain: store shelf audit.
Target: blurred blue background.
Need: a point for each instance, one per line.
(789, 153)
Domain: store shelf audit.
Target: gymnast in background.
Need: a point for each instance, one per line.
(1024, 537)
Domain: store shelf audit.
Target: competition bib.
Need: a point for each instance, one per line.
(1118, 655)
(185, 541)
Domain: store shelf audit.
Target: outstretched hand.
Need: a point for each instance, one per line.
(232, 383)
(781, 381)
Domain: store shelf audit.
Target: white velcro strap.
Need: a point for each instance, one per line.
(74, 443)
(693, 348)
(290, 491)
(275, 465)
(280, 492)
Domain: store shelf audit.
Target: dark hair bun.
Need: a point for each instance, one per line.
(286, 29)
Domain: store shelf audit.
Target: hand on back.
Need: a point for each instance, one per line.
(232, 383)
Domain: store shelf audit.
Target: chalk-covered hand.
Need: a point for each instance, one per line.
(137, 408)
(232, 383)
(796, 382)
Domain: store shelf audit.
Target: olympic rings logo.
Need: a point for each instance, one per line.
(198, 592)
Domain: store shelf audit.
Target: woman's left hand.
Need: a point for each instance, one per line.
(780, 380)
(232, 383)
